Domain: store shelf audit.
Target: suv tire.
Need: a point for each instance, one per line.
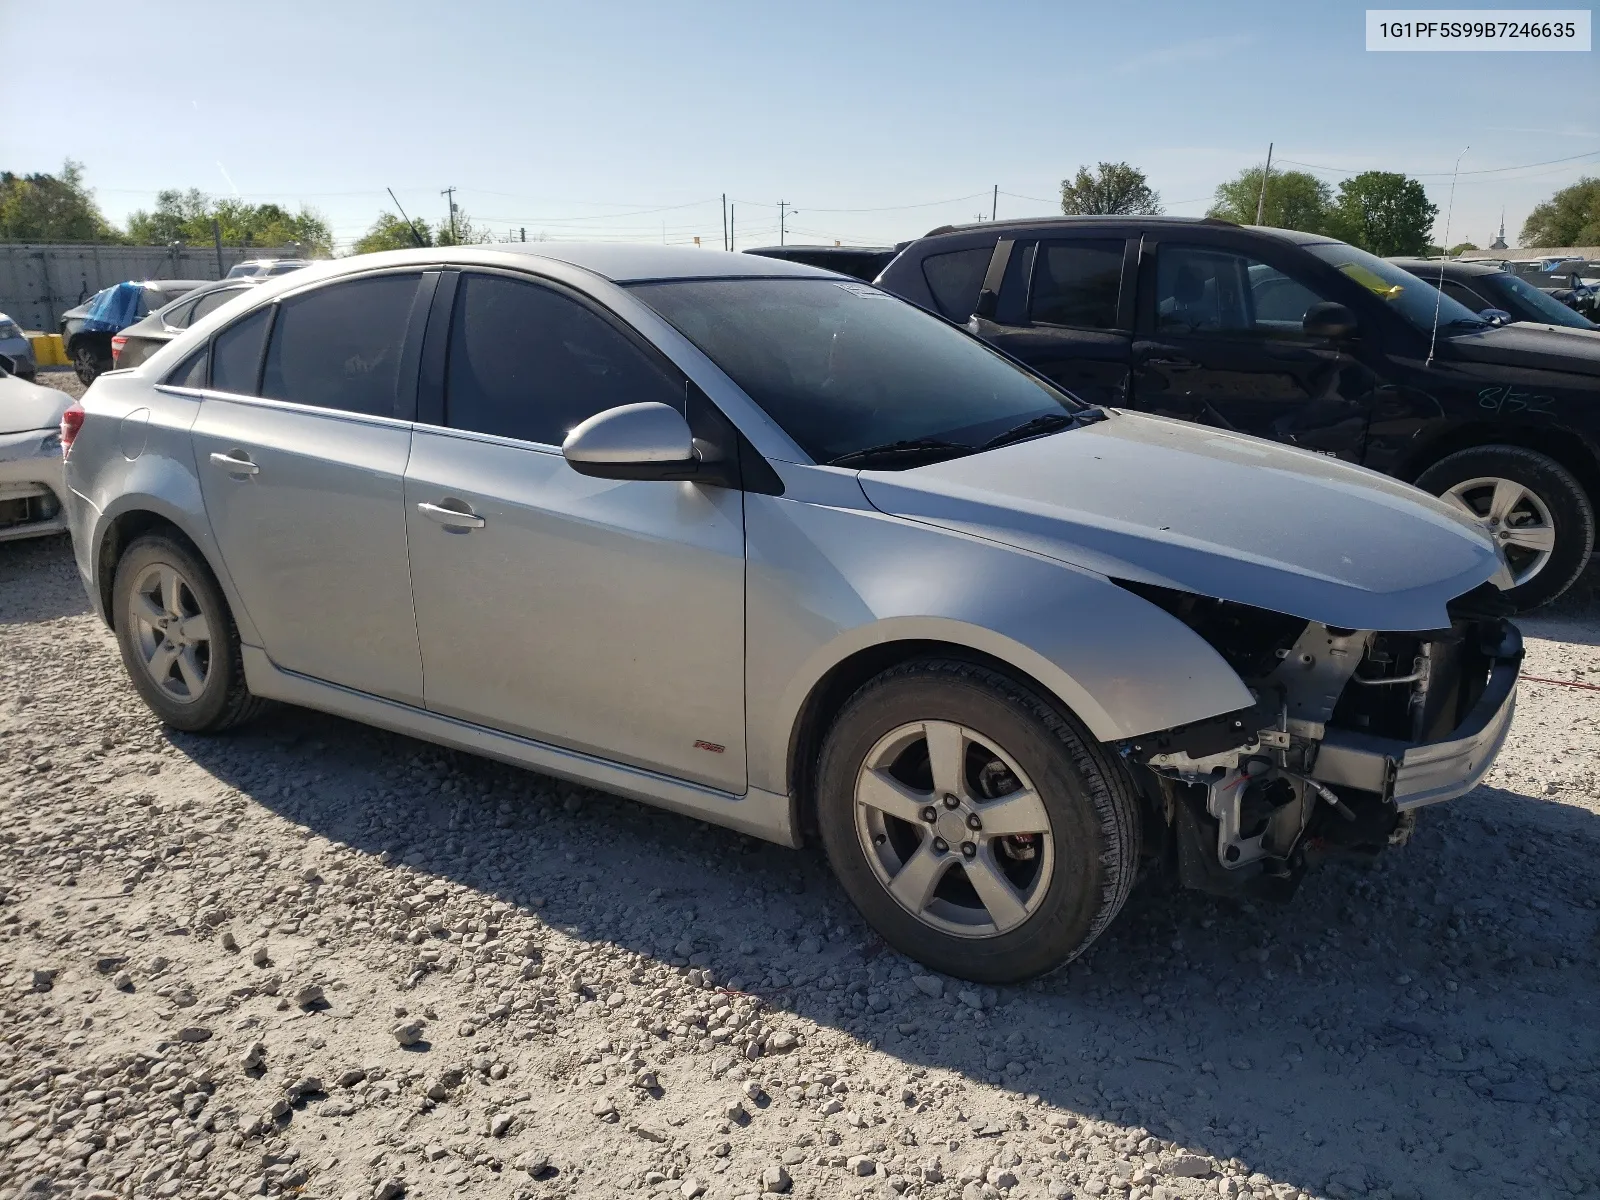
(178, 638)
(87, 363)
(1547, 497)
(979, 828)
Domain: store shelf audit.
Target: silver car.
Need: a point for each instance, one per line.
(33, 487)
(764, 545)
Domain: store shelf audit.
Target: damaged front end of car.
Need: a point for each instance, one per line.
(1351, 732)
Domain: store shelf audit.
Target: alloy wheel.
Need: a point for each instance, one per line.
(170, 632)
(953, 829)
(1514, 516)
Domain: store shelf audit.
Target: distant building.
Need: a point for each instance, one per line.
(1499, 242)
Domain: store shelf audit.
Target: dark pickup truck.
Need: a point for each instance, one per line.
(1301, 339)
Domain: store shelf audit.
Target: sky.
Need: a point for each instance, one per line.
(876, 122)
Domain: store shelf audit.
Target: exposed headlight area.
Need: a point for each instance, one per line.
(1352, 730)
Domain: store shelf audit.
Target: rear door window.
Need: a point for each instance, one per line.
(236, 354)
(339, 346)
(529, 362)
(1077, 283)
(954, 279)
(191, 372)
(207, 303)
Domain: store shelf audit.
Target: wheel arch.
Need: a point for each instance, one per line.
(1575, 451)
(141, 515)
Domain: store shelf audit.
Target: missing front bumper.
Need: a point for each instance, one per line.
(1414, 774)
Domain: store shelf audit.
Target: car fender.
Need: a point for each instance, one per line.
(828, 581)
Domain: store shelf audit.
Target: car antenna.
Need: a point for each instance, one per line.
(415, 236)
(1438, 299)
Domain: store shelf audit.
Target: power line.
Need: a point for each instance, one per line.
(1447, 174)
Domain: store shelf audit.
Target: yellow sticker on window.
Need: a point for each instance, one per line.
(1372, 281)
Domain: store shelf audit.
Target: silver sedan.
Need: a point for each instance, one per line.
(764, 545)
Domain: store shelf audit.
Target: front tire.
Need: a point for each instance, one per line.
(979, 829)
(178, 638)
(1534, 508)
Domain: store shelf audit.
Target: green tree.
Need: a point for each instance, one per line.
(389, 232)
(1569, 218)
(1384, 212)
(1112, 188)
(51, 208)
(463, 234)
(1295, 200)
(186, 217)
(1461, 248)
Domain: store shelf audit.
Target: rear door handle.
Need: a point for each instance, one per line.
(235, 466)
(451, 516)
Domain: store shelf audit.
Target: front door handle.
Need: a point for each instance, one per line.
(1173, 364)
(235, 466)
(451, 516)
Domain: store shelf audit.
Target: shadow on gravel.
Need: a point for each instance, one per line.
(33, 585)
(1389, 1032)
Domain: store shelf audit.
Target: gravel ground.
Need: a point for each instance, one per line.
(317, 959)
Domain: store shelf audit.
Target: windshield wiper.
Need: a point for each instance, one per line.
(927, 447)
(1467, 323)
(1048, 423)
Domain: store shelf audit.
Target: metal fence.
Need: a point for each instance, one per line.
(38, 283)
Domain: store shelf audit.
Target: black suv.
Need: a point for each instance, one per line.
(1485, 288)
(1301, 339)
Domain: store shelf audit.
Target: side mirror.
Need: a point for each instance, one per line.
(1333, 322)
(1496, 316)
(634, 441)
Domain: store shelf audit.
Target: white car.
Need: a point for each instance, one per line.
(32, 487)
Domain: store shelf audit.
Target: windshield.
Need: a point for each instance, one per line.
(842, 367)
(1415, 300)
(1546, 307)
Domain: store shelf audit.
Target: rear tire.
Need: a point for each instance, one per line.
(178, 639)
(87, 363)
(1545, 506)
(1033, 840)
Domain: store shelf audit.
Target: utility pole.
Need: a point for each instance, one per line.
(730, 227)
(725, 245)
(1261, 200)
(784, 213)
(450, 192)
(524, 229)
(216, 236)
(994, 206)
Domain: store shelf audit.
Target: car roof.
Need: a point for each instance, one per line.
(620, 262)
(1449, 266)
(1123, 220)
(802, 248)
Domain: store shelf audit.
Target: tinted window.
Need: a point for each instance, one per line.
(1416, 301)
(179, 315)
(339, 346)
(1540, 305)
(236, 354)
(527, 362)
(842, 366)
(955, 279)
(207, 303)
(1464, 295)
(1077, 283)
(191, 372)
(1200, 290)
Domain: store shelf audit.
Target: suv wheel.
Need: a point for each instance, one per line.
(1533, 507)
(178, 638)
(86, 364)
(979, 829)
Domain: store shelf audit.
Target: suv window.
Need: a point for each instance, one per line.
(339, 346)
(529, 363)
(1077, 283)
(236, 354)
(955, 278)
(1199, 290)
(1462, 294)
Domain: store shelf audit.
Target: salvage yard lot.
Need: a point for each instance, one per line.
(300, 896)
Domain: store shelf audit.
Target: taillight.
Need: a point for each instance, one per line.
(71, 422)
(117, 343)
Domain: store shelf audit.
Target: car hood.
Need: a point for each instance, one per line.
(1150, 500)
(25, 406)
(1525, 344)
